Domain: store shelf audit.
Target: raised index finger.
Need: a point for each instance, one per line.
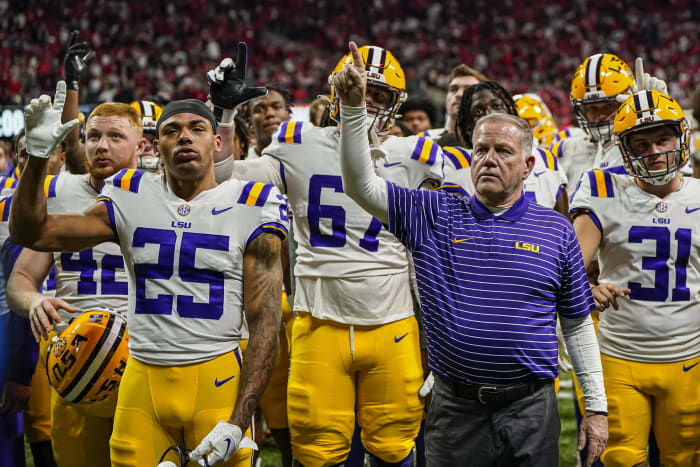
(356, 57)
(638, 70)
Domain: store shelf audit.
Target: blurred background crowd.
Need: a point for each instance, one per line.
(165, 47)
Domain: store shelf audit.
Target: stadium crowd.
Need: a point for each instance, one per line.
(530, 47)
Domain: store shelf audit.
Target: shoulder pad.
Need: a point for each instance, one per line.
(549, 160)
(601, 183)
(288, 132)
(459, 157)
(50, 186)
(128, 179)
(8, 182)
(255, 193)
(425, 151)
(5, 204)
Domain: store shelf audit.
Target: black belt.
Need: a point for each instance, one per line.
(496, 397)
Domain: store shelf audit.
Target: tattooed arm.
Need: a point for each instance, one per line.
(262, 297)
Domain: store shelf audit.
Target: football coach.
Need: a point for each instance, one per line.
(494, 270)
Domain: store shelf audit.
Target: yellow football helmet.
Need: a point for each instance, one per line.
(149, 112)
(86, 362)
(383, 71)
(532, 108)
(645, 110)
(598, 80)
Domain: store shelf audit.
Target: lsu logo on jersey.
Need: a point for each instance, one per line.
(289, 132)
(425, 151)
(527, 247)
(459, 157)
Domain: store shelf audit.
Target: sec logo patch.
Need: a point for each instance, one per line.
(183, 209)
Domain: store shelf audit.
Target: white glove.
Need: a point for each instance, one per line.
(427, 387)
(221, 442)
(166, 464)
(643, 81)
(43, 123)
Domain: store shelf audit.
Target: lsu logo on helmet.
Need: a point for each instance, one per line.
(598, 80)
(645, 110)
(383, 71)
(86, 362)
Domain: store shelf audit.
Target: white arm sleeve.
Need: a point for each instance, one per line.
(223, 169)
(266, 169)
(359, 180)
(582, 345)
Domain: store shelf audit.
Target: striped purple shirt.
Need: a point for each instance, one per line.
(490, 287)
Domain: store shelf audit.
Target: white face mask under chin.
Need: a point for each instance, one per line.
(661, 179)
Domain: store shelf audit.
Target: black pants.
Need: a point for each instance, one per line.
(464, 432)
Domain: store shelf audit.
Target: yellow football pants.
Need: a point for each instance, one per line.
(665, 396)
(161, 406)
(37, 415)
(338, 369)
(80, 432)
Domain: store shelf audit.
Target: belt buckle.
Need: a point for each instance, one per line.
(481, 390)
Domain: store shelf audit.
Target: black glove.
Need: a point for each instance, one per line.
(227, 87)
(74, 63)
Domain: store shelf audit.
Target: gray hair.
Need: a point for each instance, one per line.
(519, 123)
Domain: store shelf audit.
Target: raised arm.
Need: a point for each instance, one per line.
(359, 180)
(227, 90)
(30, 224)
(77, 57)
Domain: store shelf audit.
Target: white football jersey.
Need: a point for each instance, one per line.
(543, 186)
(185, 261)
(652, 246)
(95, 277)
(578, 154)
(433, 133)
(349, 268)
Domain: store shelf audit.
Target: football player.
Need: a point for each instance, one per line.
(595, 88)
(532, 108)
(197, 256)
(27, 374)
(461, 77)
(149, 112)
(355, 341)
(266, 114)
(546, 184)
(93, 277)
(646, 230)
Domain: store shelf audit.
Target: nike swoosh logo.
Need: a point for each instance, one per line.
(688, 210)
(688, 368)
(460, 240)
(228, 446)
(397, 339)
(218, 383)
(391, 164)
(214, 212)
(537, 174)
